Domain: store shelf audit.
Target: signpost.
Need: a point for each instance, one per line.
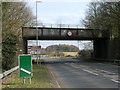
(25, 66)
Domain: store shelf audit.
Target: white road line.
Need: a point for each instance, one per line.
(74, 66)
(55, 80)
(90, 72)
(105, 71)
(115, 81)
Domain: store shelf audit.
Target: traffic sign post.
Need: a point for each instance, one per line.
(25, 66)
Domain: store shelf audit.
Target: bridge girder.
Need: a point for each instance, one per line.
(44, 33)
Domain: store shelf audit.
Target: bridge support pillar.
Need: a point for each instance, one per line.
(24, 46)
(101, 48)
(114, 49)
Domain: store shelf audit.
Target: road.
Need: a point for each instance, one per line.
(69, 73)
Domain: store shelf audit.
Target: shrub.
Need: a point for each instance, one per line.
(9, 51)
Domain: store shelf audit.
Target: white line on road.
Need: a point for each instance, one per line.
(74, 66)
(105, 71)
(55, 80)
(90, 72)
(115, 81)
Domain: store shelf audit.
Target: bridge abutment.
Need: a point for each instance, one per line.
(106, 49)
(114, 49)
(25, 46)
(101, 48)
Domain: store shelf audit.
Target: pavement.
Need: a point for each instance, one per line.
(71, 73)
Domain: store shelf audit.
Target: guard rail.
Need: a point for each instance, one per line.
(6, 73)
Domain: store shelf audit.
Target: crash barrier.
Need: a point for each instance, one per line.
(6, 73)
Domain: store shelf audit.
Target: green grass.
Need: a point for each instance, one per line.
(40, 79)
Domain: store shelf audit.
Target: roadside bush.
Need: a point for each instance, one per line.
(85, 53)
(9, 51)
(69, 56)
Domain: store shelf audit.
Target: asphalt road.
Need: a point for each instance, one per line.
(70, 73)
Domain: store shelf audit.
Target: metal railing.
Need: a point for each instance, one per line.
(6, 73)
(59, 25)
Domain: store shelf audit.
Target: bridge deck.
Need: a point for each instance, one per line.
(49, 33)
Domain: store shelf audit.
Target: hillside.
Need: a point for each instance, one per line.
(62, 48)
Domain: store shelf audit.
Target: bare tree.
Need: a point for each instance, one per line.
(15, 16)
(104, 16)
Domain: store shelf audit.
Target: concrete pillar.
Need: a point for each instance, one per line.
(101, 48)
(24, 46)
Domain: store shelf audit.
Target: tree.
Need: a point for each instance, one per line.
(9, 51)
(106, 17)
(15, 16)
(62, 48)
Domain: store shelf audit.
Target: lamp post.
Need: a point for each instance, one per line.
(37, 54)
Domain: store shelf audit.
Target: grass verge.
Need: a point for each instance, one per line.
(40, 79)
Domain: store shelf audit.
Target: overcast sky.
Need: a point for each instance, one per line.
(60, 12)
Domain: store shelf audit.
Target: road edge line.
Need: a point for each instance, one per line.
(55, 79)
(53, 76)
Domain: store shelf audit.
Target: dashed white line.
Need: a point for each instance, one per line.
(90, 72)
(115, 81)
(74, 66)
(105, 71)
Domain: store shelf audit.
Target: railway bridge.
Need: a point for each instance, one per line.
(101, 41)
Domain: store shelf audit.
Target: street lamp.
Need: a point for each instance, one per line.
(37, 1)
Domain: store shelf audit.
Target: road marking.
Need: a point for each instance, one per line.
(25, 71)
(74, 66)
(105, 71)
(115, 81)
(90, 72)
(55, 80)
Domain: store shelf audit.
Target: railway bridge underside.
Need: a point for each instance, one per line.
(100, 38)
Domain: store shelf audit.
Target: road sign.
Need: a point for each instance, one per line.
(25, 65)
(69, 33)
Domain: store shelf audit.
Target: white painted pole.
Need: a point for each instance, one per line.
(30, 80)
(23, 80)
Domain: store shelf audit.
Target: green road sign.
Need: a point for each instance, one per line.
(25, 65)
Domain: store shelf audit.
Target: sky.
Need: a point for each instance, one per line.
(60, 12)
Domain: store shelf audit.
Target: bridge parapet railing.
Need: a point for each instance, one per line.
(59, 25)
